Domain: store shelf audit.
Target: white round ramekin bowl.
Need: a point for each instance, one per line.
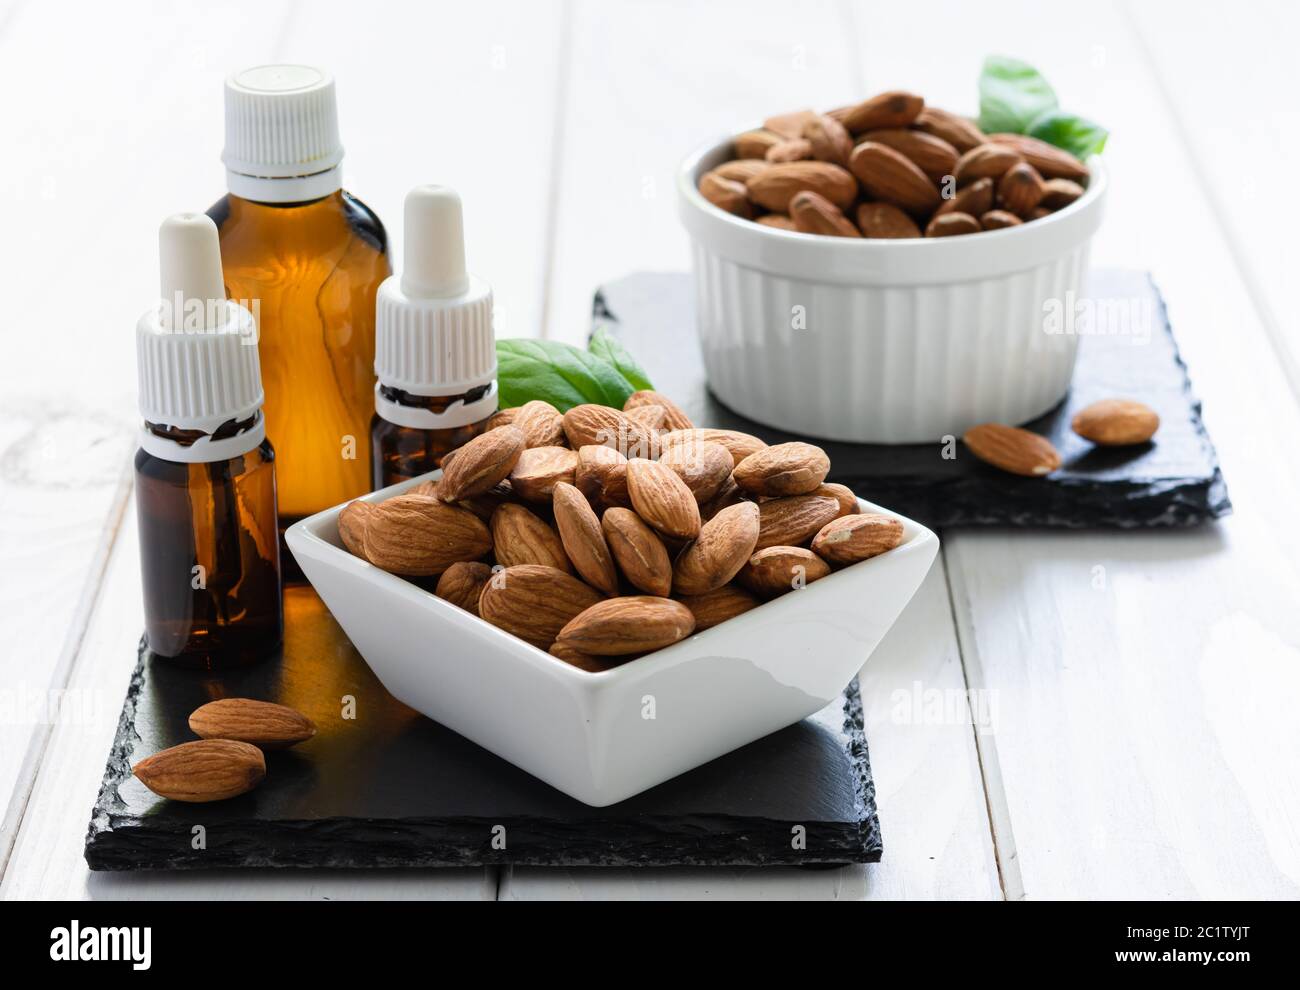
(885, 341)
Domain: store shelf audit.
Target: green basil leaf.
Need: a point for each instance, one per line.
(1077, 135)
(563, 375)
(605, 345)
(1012, 94)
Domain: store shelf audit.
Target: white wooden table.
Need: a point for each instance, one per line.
(1143, 738)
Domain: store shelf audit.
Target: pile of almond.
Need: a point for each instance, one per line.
(603, 534)
(891, 167)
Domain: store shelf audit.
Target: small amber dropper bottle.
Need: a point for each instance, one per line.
(205, 472)
(435, 354)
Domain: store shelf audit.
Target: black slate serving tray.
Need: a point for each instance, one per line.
(1174, 481)
(390, 788)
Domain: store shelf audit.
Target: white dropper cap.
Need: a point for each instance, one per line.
(433, 323)
(196, 351)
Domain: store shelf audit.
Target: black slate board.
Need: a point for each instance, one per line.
(391, 788)
(1174, 481)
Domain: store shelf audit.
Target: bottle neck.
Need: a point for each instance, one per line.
(233, 438)
(435, 412)
(292, 189)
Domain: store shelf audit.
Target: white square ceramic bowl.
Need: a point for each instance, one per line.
(588, 734)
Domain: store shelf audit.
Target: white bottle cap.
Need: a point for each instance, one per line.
(282, 134)
(433, 323)
(196, 352)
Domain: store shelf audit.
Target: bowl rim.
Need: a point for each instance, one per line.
(917, 537)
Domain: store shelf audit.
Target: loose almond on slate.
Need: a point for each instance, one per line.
(534, 602)
(521, 537)
(260, 723)
(725, 542)
(421, 536)
(774, 571)
(1116, 422)
(481, 463)
(638, 550)
(1012, 449)
(463, 583)
(662, 499)
(794, 468)
(850, 539)
(583, 539)
(206, 770)
(628, 625)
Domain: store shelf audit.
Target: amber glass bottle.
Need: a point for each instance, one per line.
(435, 356)
(307, 258)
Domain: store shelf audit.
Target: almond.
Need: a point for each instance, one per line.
(674, 419)
(814, 214)
(740, 170)
(778, 220)
(786, 469)
(774, 187)
(1020, 189)
(539, 470)
(590, 424)
(829, 140)
(601, 476)
(842, 494)
(887, 175)
(352, 526)
(948, 224)
(1013, 449)
(715, 607)
(420, 536)
(774, 571)
(999, 219)
(850, 539)
(520, 537)
(791, 521)
(794, 150)
(484, 505)
(259, 723)
(892, 109)
(726, 194)
(986, 161)
(207, 770)
(729, 493)
(634, 624)
(975, 199)
(534, 602)
(740, 444)
(885, 220)
(959, 132)
(651, 417)
(541, 423)
(704, 466)
(1051, 161)
(754, 144)
(1060, 192)
(429, 487)
(1116, 422)
(583, 540)
(789, 125)
(481, 463)
(932, 155)
(639, 551)
(662, 499)
(725, 542)
(585, 661)
(463, 583)
(500, 418)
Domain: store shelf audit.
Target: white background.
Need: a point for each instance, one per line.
(1146, 738)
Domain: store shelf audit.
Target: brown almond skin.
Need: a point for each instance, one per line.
(541, 424)
(716, 607)
(635, 624)
(1012, 449)
(740, 170)
(793, 150)
(1116, 422)
(639, 551)
(775, 571)
(651, 417)
(999, 220)
(952, 224)
(792, 521)
(520, 537)
(842, 494)
(884, 220)
(829, 139)
(724, 545)
(539, 469)
(975, 199)
(729, 493)
(202, 771)
(814, 214)
(500, 418)
(794, 468)
(583, 539)
(674, 416)
(534, 602)
(986, 161)
(727, 195)
(589, 424)
(774, 187)
(421, 536)
(601, 476)
(740, 444)
(1020, 190)
(896, 108)
(662, 499)
(932, 155)
(779, 221)
(1060, 192)
(1052, 162)
(259, 723)
(481, 464)
(789, 125)
(850, 539)
(585, 661)
(754, 144)
(352, 526)
(704, 466)
(959, 132)
(463, 583)
(886, 175)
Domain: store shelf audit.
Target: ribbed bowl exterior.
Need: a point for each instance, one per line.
(885, 341)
